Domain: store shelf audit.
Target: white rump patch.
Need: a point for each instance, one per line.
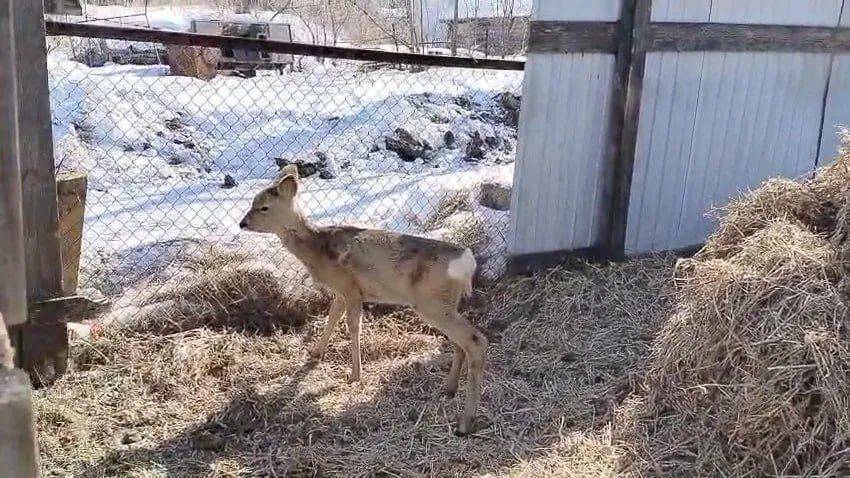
(463, 268)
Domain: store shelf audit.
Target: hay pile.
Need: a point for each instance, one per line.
(212, 287)
(751, 376)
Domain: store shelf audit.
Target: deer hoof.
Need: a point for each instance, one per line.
(316, 355)
(352, 377)
(450, 392)
(461, 430)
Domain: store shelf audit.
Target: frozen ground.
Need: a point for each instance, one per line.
(157, 148)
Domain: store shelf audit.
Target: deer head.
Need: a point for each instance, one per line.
(274, 209)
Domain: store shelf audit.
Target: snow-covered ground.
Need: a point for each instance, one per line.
(157, 148)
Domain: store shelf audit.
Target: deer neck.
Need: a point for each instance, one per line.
(297, 234)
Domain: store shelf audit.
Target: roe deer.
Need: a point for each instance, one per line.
(368, 265)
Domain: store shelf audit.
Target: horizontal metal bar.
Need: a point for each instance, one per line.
(294, 48)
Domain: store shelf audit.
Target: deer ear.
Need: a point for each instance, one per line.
(286, 187)
(288, 170)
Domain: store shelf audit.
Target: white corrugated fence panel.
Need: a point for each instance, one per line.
(713, 125)
(777, 12)
(576, 10)
(837, 113)
(757, 116)
(563, 139)
(695, 11)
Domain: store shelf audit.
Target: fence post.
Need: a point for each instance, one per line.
(18, 449)
(13, 291)
(43, 345)
(632, 40)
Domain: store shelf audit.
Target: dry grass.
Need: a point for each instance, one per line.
(225, 401)
(750, 376)
(451, 203)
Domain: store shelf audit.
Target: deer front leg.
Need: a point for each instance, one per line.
(337, 309)
(354, 313)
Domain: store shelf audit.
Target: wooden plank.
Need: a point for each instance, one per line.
(524, 264)
(71, 192)
(13, 303)
(627, 90)
(18, 446)
(294, 48)
(572, 37)
(744, 37)
(41, 225)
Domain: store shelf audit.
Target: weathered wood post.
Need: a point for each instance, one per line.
(43, 344)
(71, 189)
(18, 449)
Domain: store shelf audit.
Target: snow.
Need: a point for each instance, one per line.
(156, 148)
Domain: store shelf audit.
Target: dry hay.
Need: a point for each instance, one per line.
(222, 288)
(451, 203)
(226, 402)
(454, 220)
(750, 375)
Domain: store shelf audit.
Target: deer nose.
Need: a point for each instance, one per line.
(243, 224)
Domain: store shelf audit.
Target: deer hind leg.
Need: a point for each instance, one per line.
(454, 373)
(336, 312)
(354, 315)
(474, 345)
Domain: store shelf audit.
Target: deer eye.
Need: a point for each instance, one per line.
(264, 209)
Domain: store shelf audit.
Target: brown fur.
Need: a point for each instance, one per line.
(369, 265)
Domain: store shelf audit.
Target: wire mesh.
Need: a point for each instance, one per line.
(174, 161)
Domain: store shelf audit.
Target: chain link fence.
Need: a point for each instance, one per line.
(173, 161)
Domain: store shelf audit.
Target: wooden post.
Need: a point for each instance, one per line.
(71, 191)
(18, 447)
(454, 28)
(44, 346)
(13, 302)
(625, 114)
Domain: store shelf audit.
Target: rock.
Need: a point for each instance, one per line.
(407, 145)
(495, 196)
(475, 147)
(493, 142)
(449, 140)
(174, 124)
(440, 119)
(229, 182)
(510, 103)
(464, 102)
(316, 163)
